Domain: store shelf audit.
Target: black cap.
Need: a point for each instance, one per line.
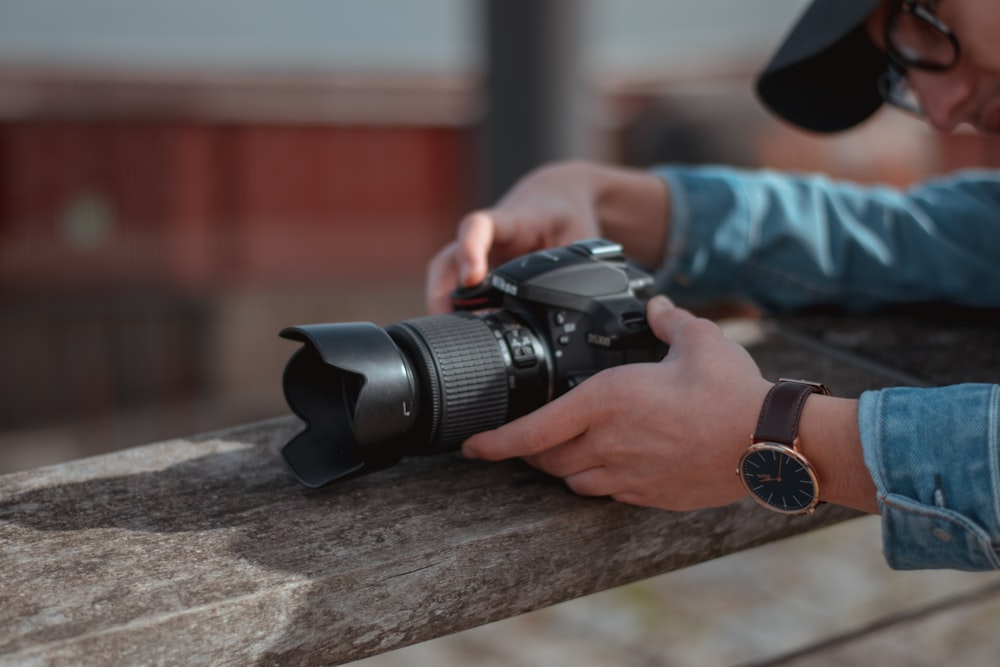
(824, 76)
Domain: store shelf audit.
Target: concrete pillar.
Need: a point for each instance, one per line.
(535, 96)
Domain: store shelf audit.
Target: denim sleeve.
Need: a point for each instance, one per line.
(786, 241)
(934, 455)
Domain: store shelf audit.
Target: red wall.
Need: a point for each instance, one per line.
(98, 204)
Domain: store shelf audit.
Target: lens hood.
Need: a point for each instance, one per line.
(352, 387)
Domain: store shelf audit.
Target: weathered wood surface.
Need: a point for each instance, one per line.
(198, 552)
(203, 551)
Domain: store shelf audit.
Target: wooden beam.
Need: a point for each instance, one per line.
(204, 551)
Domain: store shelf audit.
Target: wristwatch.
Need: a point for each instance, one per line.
(773, 470)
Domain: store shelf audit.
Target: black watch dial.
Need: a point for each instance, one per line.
(779, 478)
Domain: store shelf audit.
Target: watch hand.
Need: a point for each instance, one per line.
(781, 462)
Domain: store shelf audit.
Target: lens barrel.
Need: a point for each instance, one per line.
(459, 366)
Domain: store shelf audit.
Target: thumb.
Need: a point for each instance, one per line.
(665, 319)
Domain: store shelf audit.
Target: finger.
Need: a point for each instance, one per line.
(631, 498)
(552, 424)
(666, 319)
(676, 326)
(442, 278)
(566, 459)
(597, 481)
(475, 238)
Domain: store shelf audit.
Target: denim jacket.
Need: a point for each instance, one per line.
(790, 241)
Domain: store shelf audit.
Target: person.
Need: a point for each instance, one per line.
(669, 435)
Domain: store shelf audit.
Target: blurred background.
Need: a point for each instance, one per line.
(179, 180)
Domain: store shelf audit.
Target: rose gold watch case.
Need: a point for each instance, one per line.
(785, 450)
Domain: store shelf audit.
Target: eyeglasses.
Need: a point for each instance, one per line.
(896, 90)
(915, 39)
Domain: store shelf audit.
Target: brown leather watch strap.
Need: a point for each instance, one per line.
(782, 409)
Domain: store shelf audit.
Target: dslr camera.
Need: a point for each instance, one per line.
(535, 328)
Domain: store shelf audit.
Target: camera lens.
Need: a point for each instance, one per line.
(370, 395)
(472, 377)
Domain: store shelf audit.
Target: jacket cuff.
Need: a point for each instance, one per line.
(933, 455)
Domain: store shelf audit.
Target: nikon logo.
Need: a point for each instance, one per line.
(597, 339)
(504, 286)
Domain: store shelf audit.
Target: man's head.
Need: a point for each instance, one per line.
(844, 58)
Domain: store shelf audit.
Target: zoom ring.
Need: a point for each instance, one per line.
(472, 374)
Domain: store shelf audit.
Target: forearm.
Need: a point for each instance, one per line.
(788, 241)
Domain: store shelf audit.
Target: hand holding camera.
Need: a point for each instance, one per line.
(542, 324)
(552, 206)
(657, 434)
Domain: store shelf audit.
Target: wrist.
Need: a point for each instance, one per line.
(831, 440)
(773, 469)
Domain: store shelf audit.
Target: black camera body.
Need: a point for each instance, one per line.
(538, 326)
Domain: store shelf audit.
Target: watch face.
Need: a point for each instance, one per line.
(779, 478)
